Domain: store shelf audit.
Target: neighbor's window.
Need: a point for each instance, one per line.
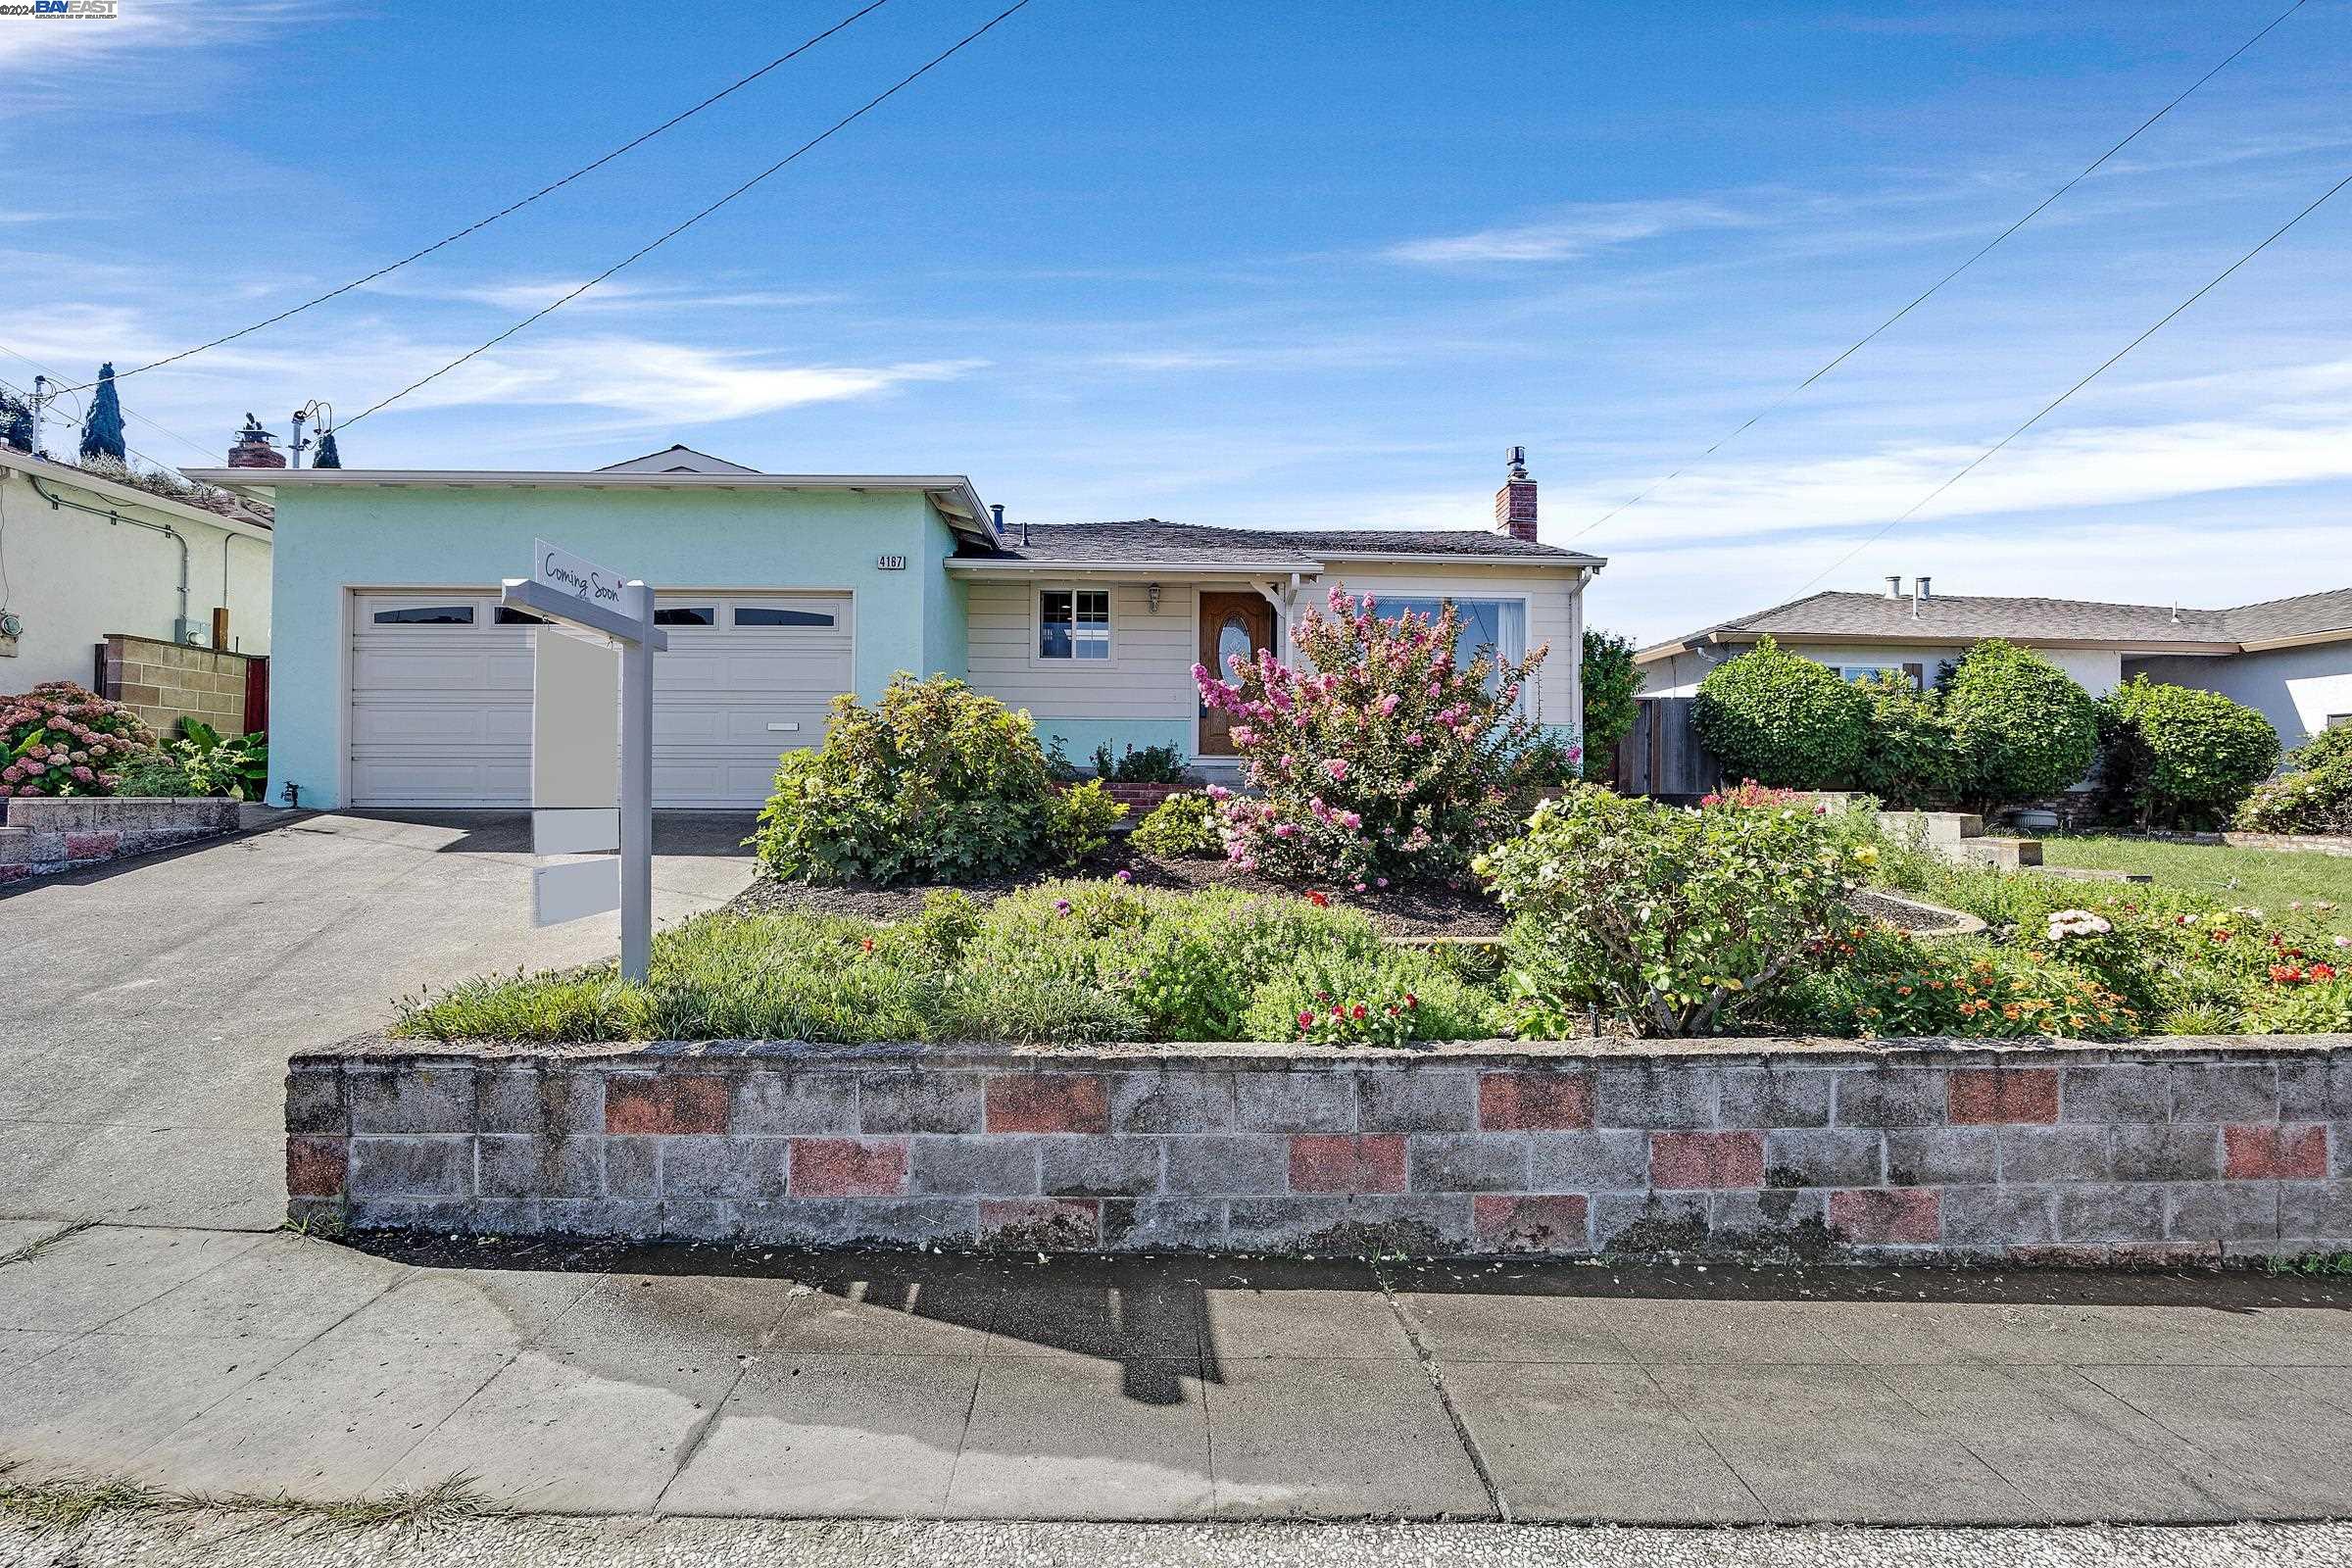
(1855, 674)
(427, 615)
(686, 616)
(1073, 623)
(764, 615)
(1488, 625)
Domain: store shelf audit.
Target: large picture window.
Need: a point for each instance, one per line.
(1073, 623)
(1497, 626)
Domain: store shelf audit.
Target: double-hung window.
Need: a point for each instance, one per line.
(1073, 623)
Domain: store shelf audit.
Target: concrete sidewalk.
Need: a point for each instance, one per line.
(685, 1381)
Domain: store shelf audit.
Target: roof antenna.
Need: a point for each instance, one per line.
(2175, 611)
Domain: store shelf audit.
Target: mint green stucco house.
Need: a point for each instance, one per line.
(397, 680)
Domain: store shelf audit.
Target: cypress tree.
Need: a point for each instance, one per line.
(16, 422)
(101, 431)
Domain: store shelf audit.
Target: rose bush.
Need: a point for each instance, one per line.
(60, 739)
(1386, 759)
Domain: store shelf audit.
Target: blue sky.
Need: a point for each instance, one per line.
(1272, 263)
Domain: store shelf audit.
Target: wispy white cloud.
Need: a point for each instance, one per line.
(530, 294)
(1566, 235)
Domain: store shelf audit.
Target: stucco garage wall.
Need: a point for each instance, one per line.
(74, 579)
(2297, 689)
(332, 539)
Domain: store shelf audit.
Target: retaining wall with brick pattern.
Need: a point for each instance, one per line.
(46, 834)
(2174, 1150)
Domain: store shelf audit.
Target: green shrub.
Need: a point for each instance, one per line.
(1670, 920)
(1079, 821)
(1394, 997)
(1181, 824)
(1612, 683)
(2314, 794)
(2024, 728)
(2171, 756)
(60, 739)
(1909, 755)
(1146, 764)
(934, 782)
(1772, 715)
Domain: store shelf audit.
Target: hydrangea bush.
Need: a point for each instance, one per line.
(1383, 757)
(61, 739)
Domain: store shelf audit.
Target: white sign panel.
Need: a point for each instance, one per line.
(574, 890)
(584, 830)
(575, 722)
(576, 575)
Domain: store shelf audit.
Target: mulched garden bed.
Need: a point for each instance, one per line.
(1398, 912)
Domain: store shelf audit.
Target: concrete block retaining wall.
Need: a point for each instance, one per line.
(45, 834)
(2174, 1151)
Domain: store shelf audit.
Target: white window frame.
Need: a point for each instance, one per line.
(1038, 659)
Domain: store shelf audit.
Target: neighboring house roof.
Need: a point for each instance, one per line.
(219, 510)
(1151, 542)
(676, 459)
(1967, 617)
(950, 494)
(2306, 617)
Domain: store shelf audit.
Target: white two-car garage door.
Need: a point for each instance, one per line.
(441, 695)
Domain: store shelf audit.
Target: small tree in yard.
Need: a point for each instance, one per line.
(101, 431)
(1909, 757)
(1780, 719)
(1612, 682)
(1387, 760)
(2024, 728)
(2171, 756)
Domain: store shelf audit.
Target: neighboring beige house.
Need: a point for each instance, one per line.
(86, 560)
(2290, 659)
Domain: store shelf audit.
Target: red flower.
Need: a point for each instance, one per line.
(1307, 1020)
(1358, 1010)
(2220, 935)
(1411, 1000)
(2323, 971)
(2285, 974)
(1316, 899)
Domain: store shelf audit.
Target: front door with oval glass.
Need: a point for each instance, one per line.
(1230, 624)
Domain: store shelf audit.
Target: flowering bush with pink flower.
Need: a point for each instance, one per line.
(59, 739)
(1381, 758)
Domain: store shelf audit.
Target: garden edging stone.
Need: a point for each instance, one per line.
(2178, 1150)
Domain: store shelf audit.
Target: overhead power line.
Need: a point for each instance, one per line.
(737, 86)
(669, 234)
(1925, 295)
(1974, 463)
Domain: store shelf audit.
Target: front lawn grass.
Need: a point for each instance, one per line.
(2263, 879)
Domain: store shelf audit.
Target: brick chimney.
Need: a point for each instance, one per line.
(252, 449)
(1515, 501)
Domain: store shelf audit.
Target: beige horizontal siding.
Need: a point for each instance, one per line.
(1149, 675)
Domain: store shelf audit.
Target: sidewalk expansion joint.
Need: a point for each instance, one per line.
(1430, 1370)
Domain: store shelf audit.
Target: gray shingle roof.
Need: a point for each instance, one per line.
(1151, 539)
(1964, 617)
(2291, 617)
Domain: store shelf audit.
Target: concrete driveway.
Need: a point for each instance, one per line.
(153, 1004)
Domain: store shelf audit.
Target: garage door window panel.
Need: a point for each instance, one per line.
(427, 615)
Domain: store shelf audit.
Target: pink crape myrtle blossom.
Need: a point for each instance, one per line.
(1378, 755)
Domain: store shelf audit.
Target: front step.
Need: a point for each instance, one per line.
(2002, 854)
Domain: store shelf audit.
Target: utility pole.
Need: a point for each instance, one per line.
(40, 400)
(295, 446)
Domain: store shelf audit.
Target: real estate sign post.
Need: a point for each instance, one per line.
(573, 778)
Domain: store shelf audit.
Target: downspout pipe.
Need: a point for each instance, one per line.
(179, 631)
(228, 536)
